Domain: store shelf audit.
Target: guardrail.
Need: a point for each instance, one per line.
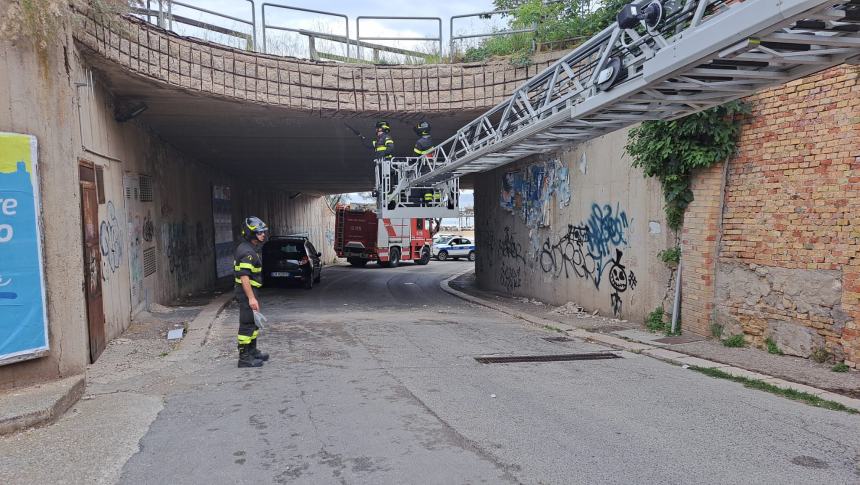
(161, 13)
(499, 33)
(376, 17)
(165, 18)
(312, 35)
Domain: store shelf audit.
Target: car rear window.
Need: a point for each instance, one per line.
(287, 250)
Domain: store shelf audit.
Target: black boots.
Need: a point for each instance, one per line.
(256, 353)
(246, 357)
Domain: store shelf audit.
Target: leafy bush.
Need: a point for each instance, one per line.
(654, 320)
(672, 150)
(555, 21)
(735, 341)
(840, 367)
(671, 256)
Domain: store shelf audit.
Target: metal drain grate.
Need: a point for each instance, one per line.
(546, 358)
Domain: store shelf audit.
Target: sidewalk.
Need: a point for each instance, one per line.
(782, 371)
(138, 355)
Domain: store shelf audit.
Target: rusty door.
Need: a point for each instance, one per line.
(92, 262)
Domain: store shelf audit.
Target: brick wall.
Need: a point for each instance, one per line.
(787, 266)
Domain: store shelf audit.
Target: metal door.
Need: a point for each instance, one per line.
(92, 263)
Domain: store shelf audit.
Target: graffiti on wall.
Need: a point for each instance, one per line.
(591, 250)
(510, 277)
(528, 192)
(110, 240)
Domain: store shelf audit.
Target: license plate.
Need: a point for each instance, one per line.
(279, 274)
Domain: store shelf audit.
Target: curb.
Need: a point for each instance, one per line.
(637, 347)
(199, 328)
(53, 400)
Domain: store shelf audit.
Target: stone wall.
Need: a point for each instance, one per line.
(787, 266)
(594, 243)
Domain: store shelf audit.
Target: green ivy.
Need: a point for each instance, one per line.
(673, 150)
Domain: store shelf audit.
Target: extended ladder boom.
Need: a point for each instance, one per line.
(657, 65)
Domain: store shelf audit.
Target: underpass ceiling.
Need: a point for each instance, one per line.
(288, 149)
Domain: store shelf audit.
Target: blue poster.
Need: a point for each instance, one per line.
(23, 319)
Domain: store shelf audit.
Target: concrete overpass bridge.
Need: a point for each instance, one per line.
(281, 120)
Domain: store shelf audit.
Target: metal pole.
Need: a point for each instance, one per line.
(676, 307)
(253, 26)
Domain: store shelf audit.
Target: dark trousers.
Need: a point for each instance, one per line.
(247, 326)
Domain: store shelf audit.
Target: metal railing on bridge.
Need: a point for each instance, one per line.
(249, 34)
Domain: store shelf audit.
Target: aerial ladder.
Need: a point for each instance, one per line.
(660, 60)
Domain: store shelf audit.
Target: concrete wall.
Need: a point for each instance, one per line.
(599, 251)
(40, 95)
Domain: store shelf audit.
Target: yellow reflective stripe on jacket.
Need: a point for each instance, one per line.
(423, 152)
(255, 284)
(389, 142)
(250, 267)
(381, 148)
(254, 335)
(244, 339)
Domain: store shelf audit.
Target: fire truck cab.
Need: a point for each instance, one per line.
(361, 236)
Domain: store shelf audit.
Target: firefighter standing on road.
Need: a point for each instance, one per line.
(248, 273)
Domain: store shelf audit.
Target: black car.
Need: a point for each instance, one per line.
(291, 259)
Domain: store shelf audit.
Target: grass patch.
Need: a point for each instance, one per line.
(840, 367)
(735, 341)
(820, 355)
(163, 354)
(553, 329)
(792, 394)
(716, 330)
(772, 348)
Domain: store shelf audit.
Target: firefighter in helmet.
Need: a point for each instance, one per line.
(424, 143)
(383, 145)
(248, 275)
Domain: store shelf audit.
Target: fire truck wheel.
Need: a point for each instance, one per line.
(425, 256)
(442, 256)
(394, 258)
(471, 255)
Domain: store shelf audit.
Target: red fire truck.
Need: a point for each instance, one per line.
(360, 236)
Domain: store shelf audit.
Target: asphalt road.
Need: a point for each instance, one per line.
(373, 380)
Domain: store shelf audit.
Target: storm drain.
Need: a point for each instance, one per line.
(546, 358)
(557, 339)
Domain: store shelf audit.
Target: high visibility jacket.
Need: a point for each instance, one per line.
(383, 147)
(247, 262)
(423, 145)
(430, 196)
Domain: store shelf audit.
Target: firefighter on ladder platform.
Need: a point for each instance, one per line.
(424, 146)
(248, 274)
(383, 147)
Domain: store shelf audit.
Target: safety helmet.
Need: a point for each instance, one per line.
(384, 125)
(252, 227)
(422, 128)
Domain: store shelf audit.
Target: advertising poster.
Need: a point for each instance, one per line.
(23, 319)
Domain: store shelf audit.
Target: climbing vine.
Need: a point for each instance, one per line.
(673, 150)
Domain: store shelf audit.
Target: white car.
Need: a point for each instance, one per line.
(455, 247)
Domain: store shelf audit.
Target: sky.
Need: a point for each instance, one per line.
(279, 40)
